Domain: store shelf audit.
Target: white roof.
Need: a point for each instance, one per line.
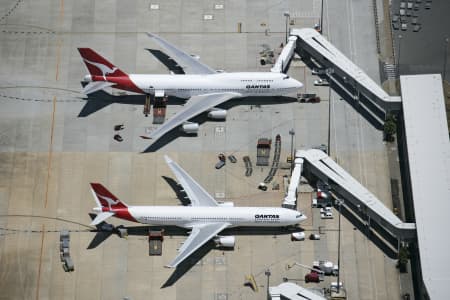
(337, 174)
(285, 56)
(428, 146)
(291, 197)
(326, 49)
(293, 291)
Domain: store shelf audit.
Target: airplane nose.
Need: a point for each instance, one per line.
(298, 84)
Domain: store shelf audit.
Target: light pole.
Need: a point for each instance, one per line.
(321, 18)
(339, 203)
(267, 273)
(329, 121)
(398, 58)
(445, 59)
(288, 16)
(292, 133)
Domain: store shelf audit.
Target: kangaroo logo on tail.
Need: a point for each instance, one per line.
(103, 68)
(105, 198)
(109, 201)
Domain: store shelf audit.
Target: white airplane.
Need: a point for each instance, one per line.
(206, 218)
(204, 87)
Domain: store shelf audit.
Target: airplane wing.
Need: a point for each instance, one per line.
(197, 195)
(195, 106)
(189, 64)
(200, 235)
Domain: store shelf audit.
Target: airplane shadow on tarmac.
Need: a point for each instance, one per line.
(178, 189)
(100, 99)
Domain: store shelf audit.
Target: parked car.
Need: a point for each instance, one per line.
(219, 164)
(312, 277)
(221, 161)
(119, 127)
(326, 215)
(314, 236)
(326, 210)
(118, 138)
(262, 186)
(321, 82)
(317, 71)
(232, 159)
(315, 99)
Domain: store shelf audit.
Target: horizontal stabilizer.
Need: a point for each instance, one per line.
(95, 86)
(102, 217)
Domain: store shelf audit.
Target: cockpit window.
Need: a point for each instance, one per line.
(298, 216)
(286, 77)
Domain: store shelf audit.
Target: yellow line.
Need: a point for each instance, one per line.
(40, 262)
(50, 151)
(58, 58)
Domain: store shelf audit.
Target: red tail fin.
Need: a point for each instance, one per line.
(99, 66)
(105, 198)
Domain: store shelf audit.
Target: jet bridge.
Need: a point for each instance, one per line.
(283, 61)
(290, 201)
(317, 164)
(346, 78)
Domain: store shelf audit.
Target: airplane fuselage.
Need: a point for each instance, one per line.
(183, 216)
(186, 86)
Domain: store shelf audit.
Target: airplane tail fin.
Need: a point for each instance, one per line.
(98, 65)
(105, 199)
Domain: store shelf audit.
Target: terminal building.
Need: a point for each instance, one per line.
(424, 155)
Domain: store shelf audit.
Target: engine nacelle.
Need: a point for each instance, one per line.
(190, 128)
(226, 204)
(298, 236)
(225, 241)
(217, 114)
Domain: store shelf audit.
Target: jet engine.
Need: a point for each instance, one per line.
(225, 241)
(190, 128)
(226, 204)
(217, 114)
(298, 236)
